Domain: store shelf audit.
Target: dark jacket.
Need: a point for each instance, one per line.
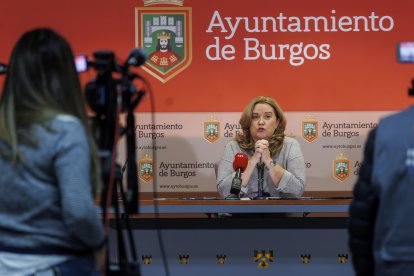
(362, 213)
(381, 214)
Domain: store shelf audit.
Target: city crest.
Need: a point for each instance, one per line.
(341, 167)
(211, 130)
(145, 168)
(165, 34)
(310, 129)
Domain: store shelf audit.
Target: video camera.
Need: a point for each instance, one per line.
(99, 92)
(109, 94)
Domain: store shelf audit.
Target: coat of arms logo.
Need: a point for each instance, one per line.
(341, 168)
(146, 168)
(211, 130)
(310, 129)
(165, 34)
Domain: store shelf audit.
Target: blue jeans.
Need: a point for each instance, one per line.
(79, 266)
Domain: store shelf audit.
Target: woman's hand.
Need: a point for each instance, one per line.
(261, 151)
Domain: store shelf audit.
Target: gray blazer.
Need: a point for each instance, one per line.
(290, 158)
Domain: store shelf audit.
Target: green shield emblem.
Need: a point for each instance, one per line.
(165, 34)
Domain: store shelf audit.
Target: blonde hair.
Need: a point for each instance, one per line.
(245, 139)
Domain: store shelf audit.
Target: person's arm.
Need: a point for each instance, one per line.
(289, 181)
(248, 172)
(362, 214)
(261, 147)
(226, 171)
(72, 167)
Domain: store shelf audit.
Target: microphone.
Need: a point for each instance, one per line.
(239, 165)
(137, 57)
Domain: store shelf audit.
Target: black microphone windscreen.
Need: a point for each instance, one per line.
(137, 57)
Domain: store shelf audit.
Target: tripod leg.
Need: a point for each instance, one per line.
(128, 226)
(132, 267)
(122, 258)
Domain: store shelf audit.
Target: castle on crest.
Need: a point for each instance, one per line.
(163, 23)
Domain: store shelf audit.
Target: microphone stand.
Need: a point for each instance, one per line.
(235, 186)
(260, 173)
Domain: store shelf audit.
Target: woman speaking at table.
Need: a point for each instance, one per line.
(268, 150)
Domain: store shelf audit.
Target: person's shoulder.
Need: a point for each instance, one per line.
(232, 143)
(64, 123)
(408, 112)
(290, 141)
(233, 146)
(66, 120)
(406, 115)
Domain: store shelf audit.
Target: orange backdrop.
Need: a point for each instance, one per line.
(362, 72)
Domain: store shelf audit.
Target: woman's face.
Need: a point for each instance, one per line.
(264, 122)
